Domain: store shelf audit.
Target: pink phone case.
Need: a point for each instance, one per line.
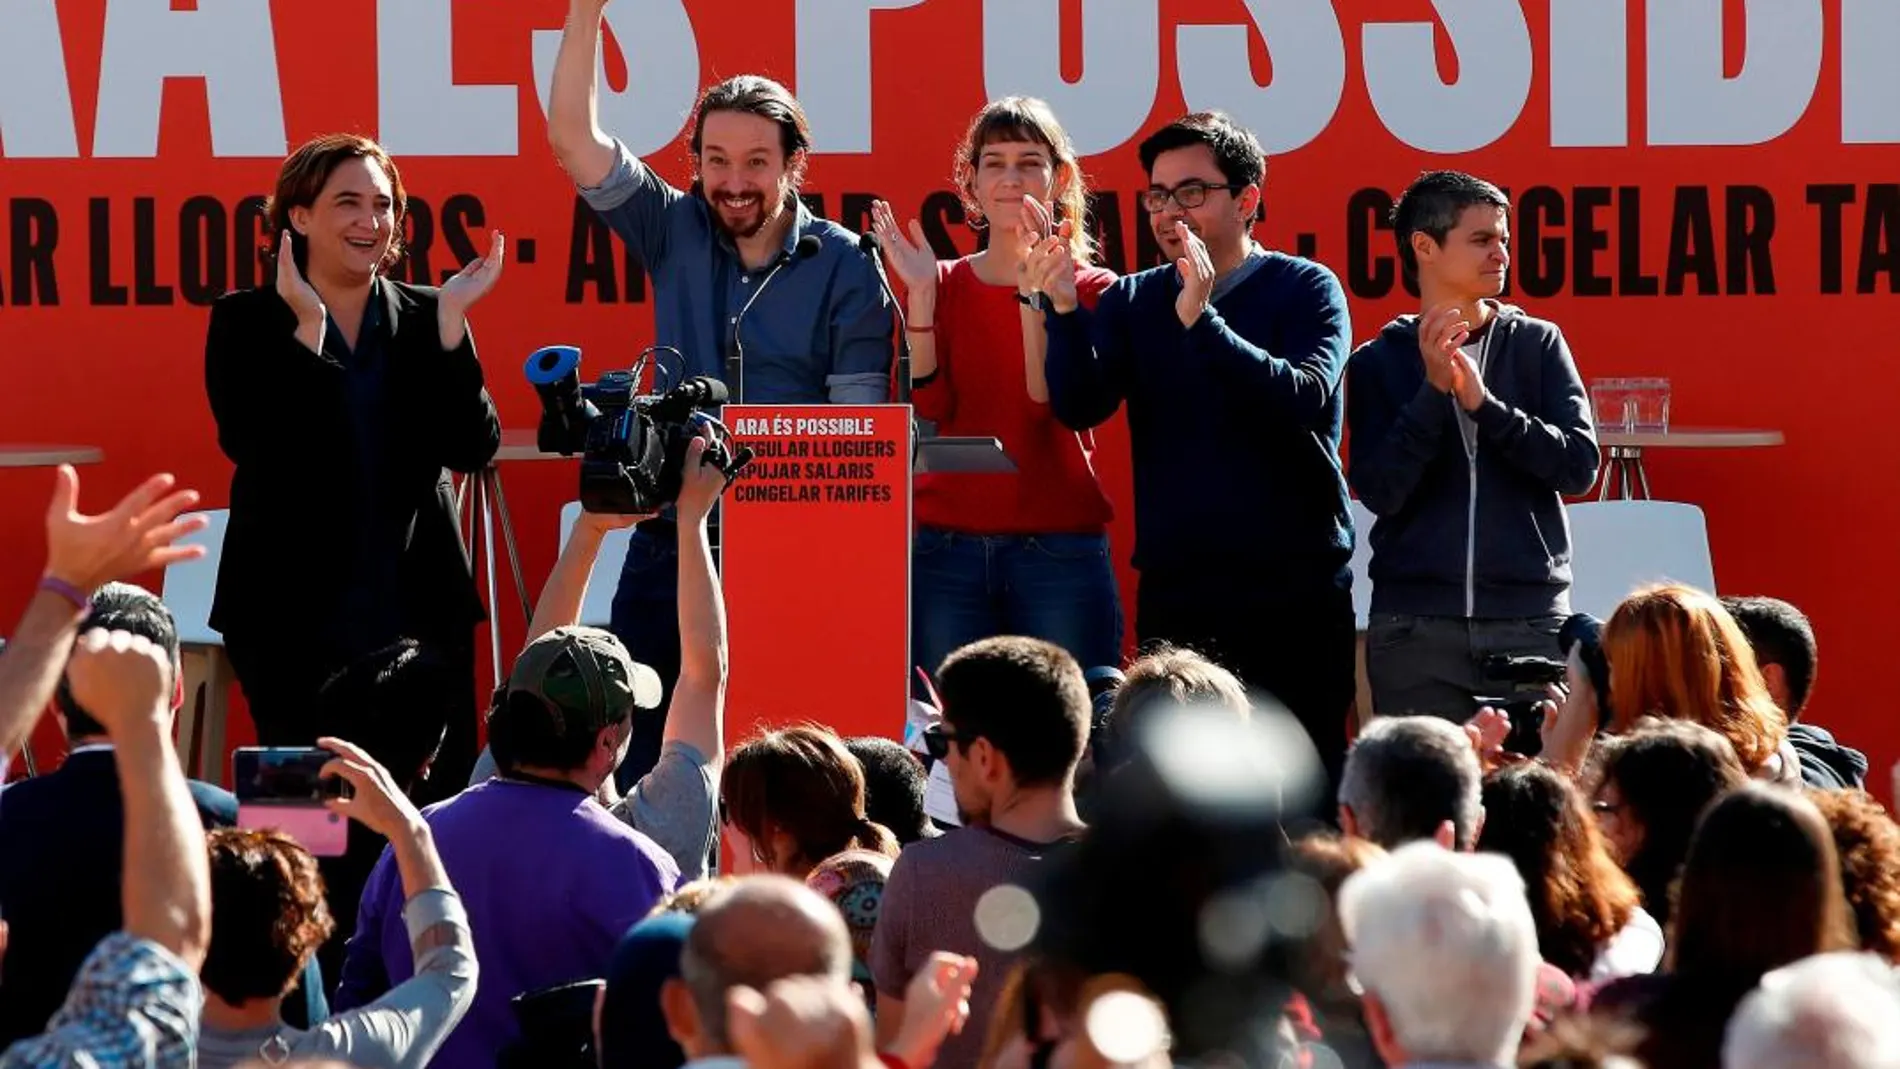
(315, 828)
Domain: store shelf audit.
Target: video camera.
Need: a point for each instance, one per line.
(1527, 677)
(632, 447)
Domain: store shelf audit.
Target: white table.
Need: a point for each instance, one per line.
(36, 455)
(1626, 450)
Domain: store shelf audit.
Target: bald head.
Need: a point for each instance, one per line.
(760, 929)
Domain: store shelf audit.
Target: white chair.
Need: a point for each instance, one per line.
(597, 606)
(1619, 546)
(188, 590)
(1362, 519)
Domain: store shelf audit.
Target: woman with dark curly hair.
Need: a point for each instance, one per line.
(1590, 922)
(1650, 787)
(268, 917)
(794, 797)
(1868, 842)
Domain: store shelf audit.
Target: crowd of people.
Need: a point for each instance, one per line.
(1550, 840)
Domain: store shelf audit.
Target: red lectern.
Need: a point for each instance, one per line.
(815, 539)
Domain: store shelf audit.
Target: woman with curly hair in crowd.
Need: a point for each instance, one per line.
(795, 796)
(1590, 921)
(1761, 889)
(1868, 842)
(1675, 652)
(1648, 789)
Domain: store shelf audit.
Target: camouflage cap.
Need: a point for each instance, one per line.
(584, 673)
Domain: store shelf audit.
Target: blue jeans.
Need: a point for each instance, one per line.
(1057, 587)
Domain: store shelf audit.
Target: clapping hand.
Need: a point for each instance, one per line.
(1441, 332)
(910, 257)
(295, 289)
(475, 279)
(1196, 268)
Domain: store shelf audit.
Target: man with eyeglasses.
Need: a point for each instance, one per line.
(1229, 359)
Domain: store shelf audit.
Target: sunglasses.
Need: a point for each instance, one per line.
(937, 740)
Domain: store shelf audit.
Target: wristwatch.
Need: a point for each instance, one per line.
(1033, 300)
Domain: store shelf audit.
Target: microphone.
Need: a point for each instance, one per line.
(808, 246)
(867, 244)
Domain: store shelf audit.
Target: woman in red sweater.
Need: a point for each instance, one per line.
(1024, 553)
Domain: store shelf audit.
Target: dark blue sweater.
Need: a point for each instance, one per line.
(1482, 538)
(1234, 423)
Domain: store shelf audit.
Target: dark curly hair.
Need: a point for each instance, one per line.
(1579, 898)
(1668, 772)
(1868, 842)
(268, 914)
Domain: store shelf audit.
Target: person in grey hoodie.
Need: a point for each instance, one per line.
(1467, 425)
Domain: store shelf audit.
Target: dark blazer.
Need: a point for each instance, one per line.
(284, 421)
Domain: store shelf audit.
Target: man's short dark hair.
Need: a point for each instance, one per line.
(268, 914)
(1780, 634)
(120, 607)
(894, 782)
(1433, 204)
(1236, 150)
(396, 703)
(1027, 697)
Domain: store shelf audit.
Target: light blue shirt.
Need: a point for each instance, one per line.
(821, 331)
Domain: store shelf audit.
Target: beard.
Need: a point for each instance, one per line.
(752, 217)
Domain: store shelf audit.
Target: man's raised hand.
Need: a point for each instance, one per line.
(135, 536)
(124, 681)
(1196, 268)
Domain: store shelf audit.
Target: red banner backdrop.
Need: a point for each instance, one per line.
(1706, 192)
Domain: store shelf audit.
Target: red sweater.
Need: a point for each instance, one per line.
(979, 390)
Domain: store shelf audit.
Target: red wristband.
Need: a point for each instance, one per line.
(80, 599)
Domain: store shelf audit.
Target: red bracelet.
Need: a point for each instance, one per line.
(80, 599)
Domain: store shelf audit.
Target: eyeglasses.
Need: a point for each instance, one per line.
(1190, 194)
(937, 740)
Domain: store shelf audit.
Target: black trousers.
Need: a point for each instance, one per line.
(1294, 645)
(282, 672)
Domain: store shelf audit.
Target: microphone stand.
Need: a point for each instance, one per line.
(867, 243)
(735, 365)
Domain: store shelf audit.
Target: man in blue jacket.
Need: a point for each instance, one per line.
(1229, 359)
(1469, 423)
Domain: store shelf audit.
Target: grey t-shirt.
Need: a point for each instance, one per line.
(930, 904)
(401, 1030)
(674, 805)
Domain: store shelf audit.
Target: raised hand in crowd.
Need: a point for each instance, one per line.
(701, 482)
(312, 317)
(936, 1005)
(379, 804)
(1568, 728)
(84, 552)
(134, 536)
(801, 1022)
(1196, 267)
(125, 682)
(467, 286)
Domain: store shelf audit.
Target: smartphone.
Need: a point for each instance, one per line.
(283, 787)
